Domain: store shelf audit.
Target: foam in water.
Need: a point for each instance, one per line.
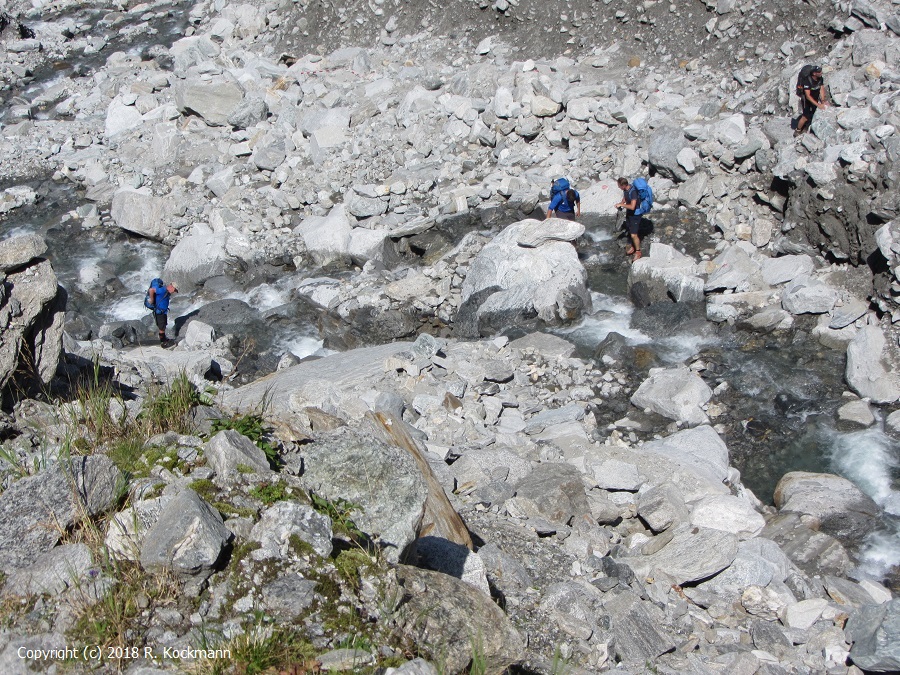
(131, 307)
(611, 315)
(306, 346)
(264, 296)
(871, 459)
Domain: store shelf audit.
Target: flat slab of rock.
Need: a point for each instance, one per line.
(730, 514)
(214, 102)
(692, 554)
(537, 232)
(348, 372)
(52, 573)
(701, 450)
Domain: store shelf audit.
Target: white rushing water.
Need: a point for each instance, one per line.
(130, 306)
(871, 460)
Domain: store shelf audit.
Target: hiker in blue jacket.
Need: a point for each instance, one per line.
(157, 299)
(631, 200)
(564, 201)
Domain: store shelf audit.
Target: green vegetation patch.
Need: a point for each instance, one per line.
(269, 493)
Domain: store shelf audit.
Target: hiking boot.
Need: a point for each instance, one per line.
(165, 344)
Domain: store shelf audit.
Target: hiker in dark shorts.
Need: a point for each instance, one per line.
(159, 299)
(811, 87)
(631, 199)
(565, 204)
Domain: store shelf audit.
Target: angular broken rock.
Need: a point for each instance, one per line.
(452, 621)
(35, 511)
(188, 538)
(676, 393)
(285, 519)
(382, 480)
(229, 450)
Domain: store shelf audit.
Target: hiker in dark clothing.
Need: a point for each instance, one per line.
(631, 200)
(811, 89)
(158, 297)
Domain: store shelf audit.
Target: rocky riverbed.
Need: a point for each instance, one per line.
(409, 425)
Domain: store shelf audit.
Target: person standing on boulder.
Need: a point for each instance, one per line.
(811, 89)
(565, 204)
(157, 299)
(631, 200)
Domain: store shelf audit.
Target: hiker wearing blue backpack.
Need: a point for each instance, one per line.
(157, 299)
(564, 201)
(637, 200)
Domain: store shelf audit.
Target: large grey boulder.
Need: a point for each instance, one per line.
(509, 284)
(32, 311)
(196, 258)
(552, 491)
(35, 511)
(867, 370)
(188, 538)
(734, 269)
(382, 481)
(728, 513)
(285, 519)
(16, 252)
(661, 507)
(841, 509)
(327, 238)
(874, 633)
(814, 552)
(248, 112)
(215, 102)
(600, 198)
(758, 562)
(127, 529)
(675, 393)
(228, 451)
(676, 271)
(453, 622)
(807, 295)
(139, 212)
(665, 144)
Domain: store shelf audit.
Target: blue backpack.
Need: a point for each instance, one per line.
(646, 193)
(559, 185)
(157, 285)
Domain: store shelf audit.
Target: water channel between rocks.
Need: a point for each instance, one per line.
(782, 391)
